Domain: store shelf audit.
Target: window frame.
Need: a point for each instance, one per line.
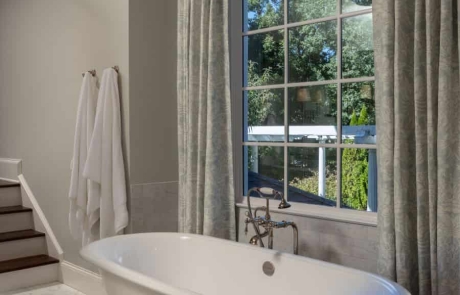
(236, 36)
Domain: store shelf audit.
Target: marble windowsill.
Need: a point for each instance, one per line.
(315, 211)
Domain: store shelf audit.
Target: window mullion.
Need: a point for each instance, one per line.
(339, 105)
(310, 83)
(307, 22)
(286, 100)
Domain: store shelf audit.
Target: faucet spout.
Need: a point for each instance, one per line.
(295, 238)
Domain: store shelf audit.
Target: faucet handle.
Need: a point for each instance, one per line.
(246, 221)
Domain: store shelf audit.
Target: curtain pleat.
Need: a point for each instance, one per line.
(206, 192)
(418, 124)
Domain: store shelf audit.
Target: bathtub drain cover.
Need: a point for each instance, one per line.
(268, 268)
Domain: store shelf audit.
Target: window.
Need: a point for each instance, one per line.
(304, 96)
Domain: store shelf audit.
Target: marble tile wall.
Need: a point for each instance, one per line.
(154, 207)
(348, 244)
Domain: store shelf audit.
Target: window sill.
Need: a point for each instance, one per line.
(314, 211)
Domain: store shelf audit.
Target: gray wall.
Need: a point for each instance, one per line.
(45, 45)
(153, 102)
(348, 244)
(153, 115)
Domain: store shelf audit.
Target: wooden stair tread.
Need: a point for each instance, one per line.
(20, 235)
(4, 183)
(26, 262)
(14, 209)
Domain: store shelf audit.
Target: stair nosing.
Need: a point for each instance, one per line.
(9, 184)
(48, 260)
(18, 209)
(28, 234)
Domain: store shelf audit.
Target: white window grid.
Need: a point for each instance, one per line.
(238, 31)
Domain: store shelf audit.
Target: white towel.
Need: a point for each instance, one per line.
(78, 192)
(108, 214)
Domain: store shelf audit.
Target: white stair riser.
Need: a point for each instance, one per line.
(16, 222)
(23, 248)
(30, 277)
(10, 196)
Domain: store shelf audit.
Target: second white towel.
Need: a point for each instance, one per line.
(108, 214)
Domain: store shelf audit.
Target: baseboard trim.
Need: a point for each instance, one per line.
(16, 281)
(81, 279)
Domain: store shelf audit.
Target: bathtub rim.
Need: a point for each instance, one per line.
(154, 284)
(128, 274)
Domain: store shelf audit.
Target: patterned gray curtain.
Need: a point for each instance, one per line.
(206, 193)
(418, 107)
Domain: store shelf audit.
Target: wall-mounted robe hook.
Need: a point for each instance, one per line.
(116, 68)
(92, 72)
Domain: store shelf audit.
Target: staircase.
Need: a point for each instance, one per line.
(24, 260)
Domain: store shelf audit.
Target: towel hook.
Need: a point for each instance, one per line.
(92, 72)
(116, 68)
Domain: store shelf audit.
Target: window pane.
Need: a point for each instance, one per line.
(313, 114)
(264, 112)
(301, 10)
(358, 113)
(264, 59)
(357, 47)
(355, 5)
(264, 13)
(359, 179)
(313, 176)
(265, 167)
(312, 52)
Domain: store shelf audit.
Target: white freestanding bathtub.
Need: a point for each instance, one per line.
(183, 264)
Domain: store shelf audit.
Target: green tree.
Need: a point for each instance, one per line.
(355, 170)
(353, 120)
(363, 117)
(312, 55)
(264, 104)
(310, 184)
(265, 13)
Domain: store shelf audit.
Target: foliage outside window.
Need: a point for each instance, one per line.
(308, 95)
